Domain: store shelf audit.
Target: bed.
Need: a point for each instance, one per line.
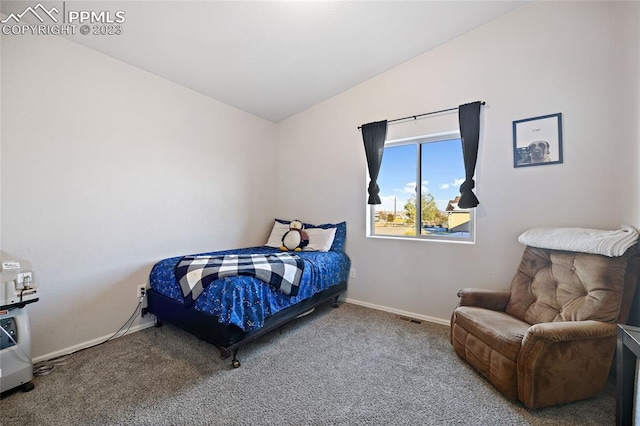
(234, 310)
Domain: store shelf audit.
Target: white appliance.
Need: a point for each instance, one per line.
(17, 290)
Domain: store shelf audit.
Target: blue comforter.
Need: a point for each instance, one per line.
(246, 301)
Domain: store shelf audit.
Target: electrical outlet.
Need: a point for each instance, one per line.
(352, 273)
(142, 291)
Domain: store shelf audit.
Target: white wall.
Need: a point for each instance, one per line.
(627, 47)
(545, 58)
(626, 44)
(107, 169)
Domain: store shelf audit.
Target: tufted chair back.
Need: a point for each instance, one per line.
(552, 286)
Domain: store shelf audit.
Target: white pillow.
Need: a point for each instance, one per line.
(275, 239)
(319, 239)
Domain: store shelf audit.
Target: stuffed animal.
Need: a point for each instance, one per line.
(295, 238)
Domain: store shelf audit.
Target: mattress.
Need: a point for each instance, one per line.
(246, 301)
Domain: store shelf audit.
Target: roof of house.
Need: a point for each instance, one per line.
(452, 206)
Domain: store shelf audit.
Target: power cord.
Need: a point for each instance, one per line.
(46, 367)
(130, 321)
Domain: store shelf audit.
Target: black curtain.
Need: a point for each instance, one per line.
(469, 119)
(374, 135)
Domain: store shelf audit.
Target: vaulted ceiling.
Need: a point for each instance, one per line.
(274, 59)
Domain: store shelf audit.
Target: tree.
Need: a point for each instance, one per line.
(430, 213)
(410, 208)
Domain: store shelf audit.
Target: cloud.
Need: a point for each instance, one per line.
(409, 188)
(404, 194)
(456, 183)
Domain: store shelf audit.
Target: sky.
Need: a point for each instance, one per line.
(442, 173)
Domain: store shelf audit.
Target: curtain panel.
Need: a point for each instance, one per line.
(469, 119)
(374, 135)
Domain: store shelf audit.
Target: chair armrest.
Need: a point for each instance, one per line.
(569, 330)
(561, 362)
(495, 300)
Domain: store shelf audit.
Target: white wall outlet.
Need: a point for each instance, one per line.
(141, 291)
(352, 273)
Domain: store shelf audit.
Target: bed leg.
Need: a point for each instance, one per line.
(335, 302)
(158, 323)
(234, 362)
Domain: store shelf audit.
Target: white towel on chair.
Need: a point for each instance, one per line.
(596, 241)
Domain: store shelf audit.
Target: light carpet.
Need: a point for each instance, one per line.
(344, 366)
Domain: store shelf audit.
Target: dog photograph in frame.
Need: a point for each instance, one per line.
(537, 141)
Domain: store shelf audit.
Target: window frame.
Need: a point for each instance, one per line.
(418, 141)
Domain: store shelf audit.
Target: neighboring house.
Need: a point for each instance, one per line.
(457, 218)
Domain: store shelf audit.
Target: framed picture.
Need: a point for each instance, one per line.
(537, 141)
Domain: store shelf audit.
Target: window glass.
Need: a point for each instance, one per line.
(398, 175)
(428, 210)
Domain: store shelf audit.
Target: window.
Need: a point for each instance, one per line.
(419, 184)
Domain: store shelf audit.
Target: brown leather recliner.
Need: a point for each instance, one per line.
(551, 337)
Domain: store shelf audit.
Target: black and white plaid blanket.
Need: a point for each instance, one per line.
(281, 270)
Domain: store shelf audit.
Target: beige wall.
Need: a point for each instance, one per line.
(544, 58)
(107, 169)
(458, 221)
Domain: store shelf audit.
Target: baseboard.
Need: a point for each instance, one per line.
(139, 327)
(398, 312)
(89, 343)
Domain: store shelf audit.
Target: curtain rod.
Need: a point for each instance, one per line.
(422, 115)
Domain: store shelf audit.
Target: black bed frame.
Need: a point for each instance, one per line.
(230, 338)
